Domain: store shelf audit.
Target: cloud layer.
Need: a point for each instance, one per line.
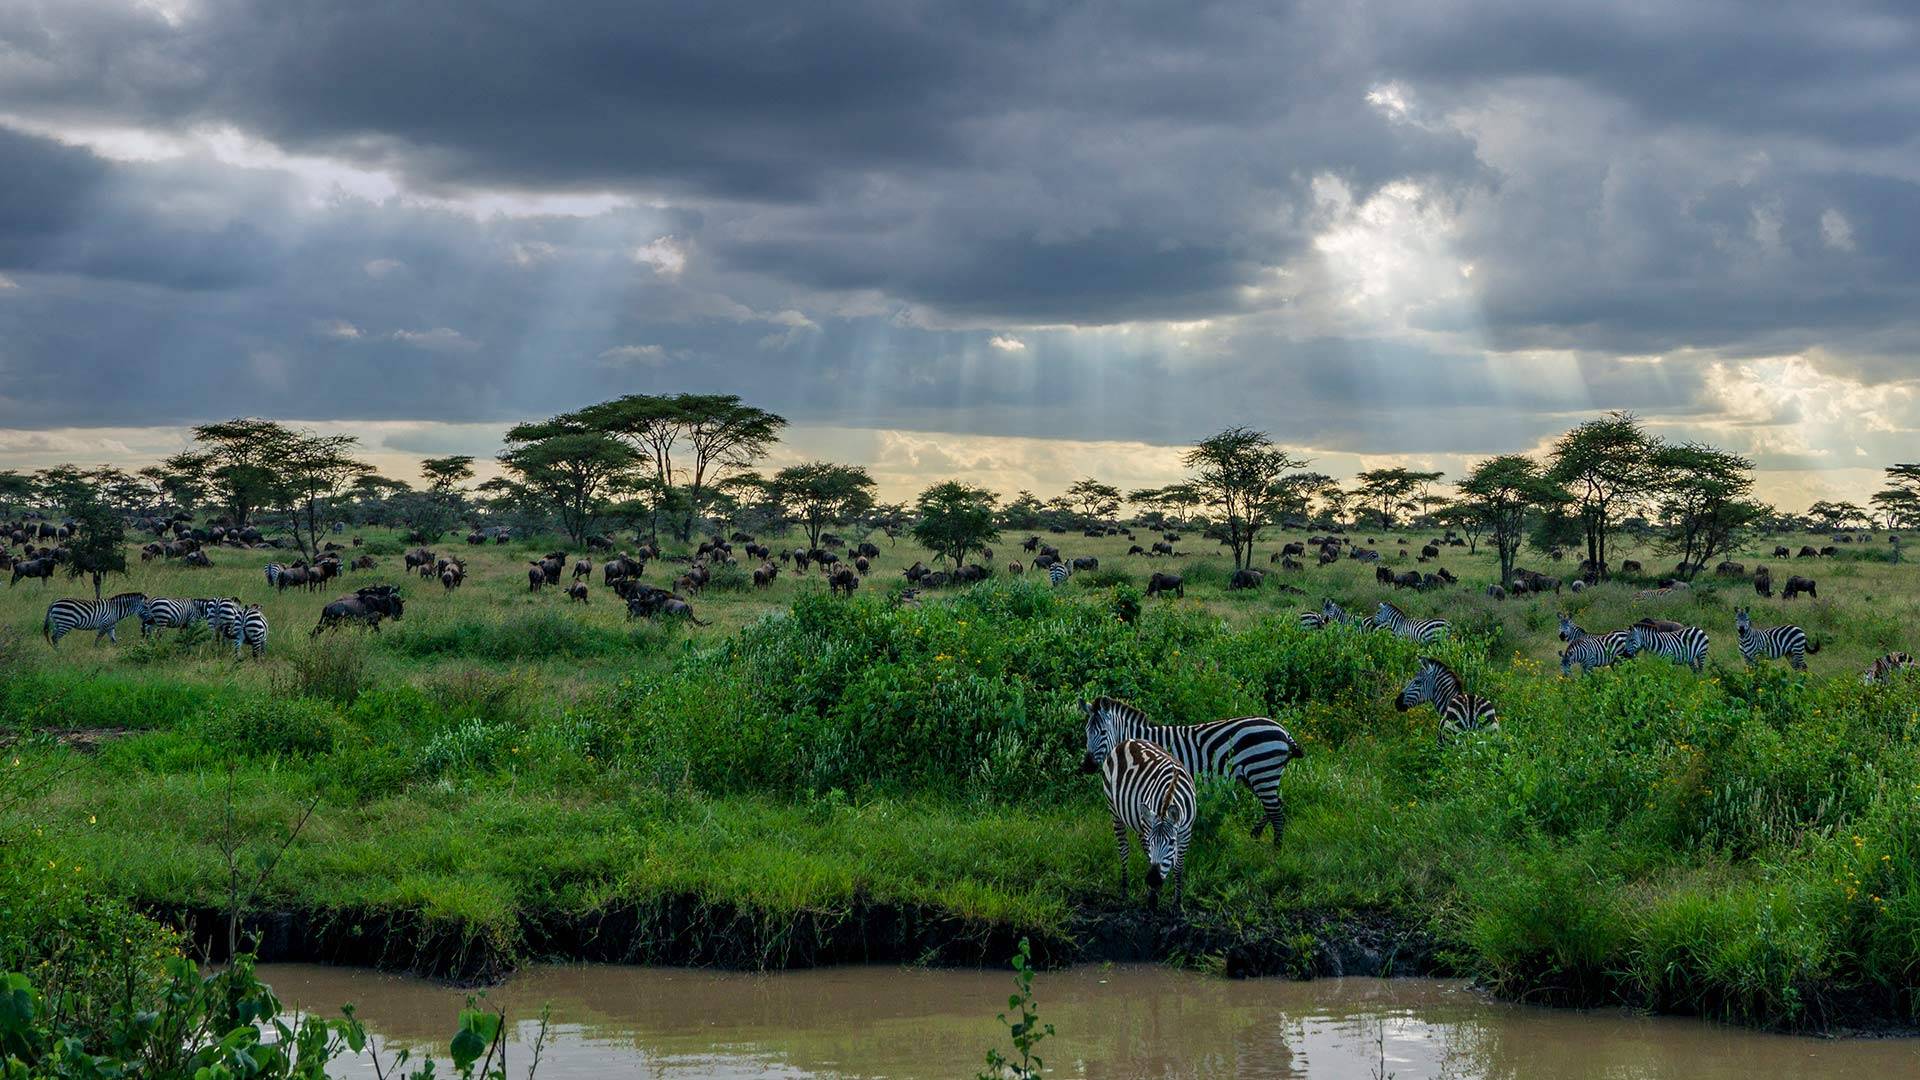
(1429, 230)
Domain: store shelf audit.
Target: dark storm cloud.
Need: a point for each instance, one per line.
(830, 181)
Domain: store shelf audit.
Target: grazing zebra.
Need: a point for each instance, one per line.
(1332, 614)
(1058, 572)
(1772, 642)
(1424, 631)
(165, 613)
(1687, 645)
(247, 627)
(1885, 668)
(1149, 792)
(221, 613)
(1460, 711)
(67, 615)
(274, 570)
(1250, 749)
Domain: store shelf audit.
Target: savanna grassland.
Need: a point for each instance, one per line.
(505, 774)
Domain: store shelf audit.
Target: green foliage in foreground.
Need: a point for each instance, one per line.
(1744, 844)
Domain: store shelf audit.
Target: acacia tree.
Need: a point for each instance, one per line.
(1828, 516)
(1607, 466)
(569, 469)
(1704, 502)
(444, 502)
(1465, 518)
(98, 546)
(309, 472)
(714, 435)
(1238, 470)
(237, 458)
(1899, 501)
(1501, 492)
(955, 518)
(1389, 490)
(1094, 500)
(891, 519)
(821, 494)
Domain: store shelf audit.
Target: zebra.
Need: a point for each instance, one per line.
(67, 615)
(222, 613)
(1687, 645)
(1885, 668)
(274, 570)
(247, 627)
(1592, 650)
(1460, 711)
(1058, 572)
(1424, 631)
(164, 612)
(1149, 792)
(1251, 749)
(1332, 614)
(1772, 642)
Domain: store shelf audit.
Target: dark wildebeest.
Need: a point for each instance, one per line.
(1383, 575)
(366, 607)
(364, 562)
(1136, 550)
(1630, 566)
(1429, 552)
(577, 591)
(1780, 552)
(536, 577)
(1165, 583)
(1292, 564)
(1763, 582)
(40, 568)
(764, 574)
(418, 558)
(1085, 562)
(1031, 544)
(583, 569)
(476, 538)
(1016, 569)
(861, 564)
(197, 558)
(1797, 585)
(843, 580)
(1246, 579)
(1807, 552)
(867, 550)
(1161, 547)
(1294, 548)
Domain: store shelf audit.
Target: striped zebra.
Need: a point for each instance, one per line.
(1250, 749)
(1687, 645)
(222, 612)
(1460, 711)
(1150, 793)
(1772, 642)
(66, 615)
(1885, 668)
(1592, 650)
(1332, 614)
(1424, 631)
(1058, 572)
(274, 570)
(247, 628)
(171, 613)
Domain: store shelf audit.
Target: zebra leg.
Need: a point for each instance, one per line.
(1120, 841)
(1274, 815)
(1798, 659)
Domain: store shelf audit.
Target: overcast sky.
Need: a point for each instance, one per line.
(1015, 243)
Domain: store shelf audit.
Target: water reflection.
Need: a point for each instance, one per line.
(1123, 1022)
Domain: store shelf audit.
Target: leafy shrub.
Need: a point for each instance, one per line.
(471, 745)
(332, 668)
(271, 726)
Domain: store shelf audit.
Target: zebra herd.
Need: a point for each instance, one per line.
(245, 625)
(1687, 645)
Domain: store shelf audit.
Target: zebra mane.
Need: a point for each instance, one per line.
(1428, 661)
(1115, 709)
(1393, 607)
(1166, 800)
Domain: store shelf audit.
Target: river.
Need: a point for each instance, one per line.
(1112, 1022)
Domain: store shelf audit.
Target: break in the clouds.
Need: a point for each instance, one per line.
(1382, 230)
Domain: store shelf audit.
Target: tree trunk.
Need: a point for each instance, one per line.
(96, 584)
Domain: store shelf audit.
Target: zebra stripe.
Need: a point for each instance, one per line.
(172, 613)
(67, 615)
(1151, 794)
(221, 613)
(1250, 749)
(1593, 650)
(1424, 631)
(1460, 711)
(247, 627)
(274, 570)
(1686, 646)
(1772, 642)
(1058, 572)
(1885, 668)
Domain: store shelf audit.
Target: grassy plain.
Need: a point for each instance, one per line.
(505, 773)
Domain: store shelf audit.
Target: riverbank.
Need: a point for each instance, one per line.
(861, 781)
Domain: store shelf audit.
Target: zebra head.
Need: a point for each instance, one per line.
(1569, 631)
(1103, 733)
(1162, 839)
(1637, 639)
(1331, 611)
(1419, 689)
(1742, 621)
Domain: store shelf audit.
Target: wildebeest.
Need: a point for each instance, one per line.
(1161, 547)
(872, 551)
(1731, 569)
(621, 566)
(1136, 550)
(31, 568)
(452, 574)
(843, 580)
(764, 574)
(1016, 569)
(1807, 552)
(367, 606)
(1780, 551)
(1763, 581)
(1246, 579)
(197, 558)
(536, 577)
(476, 538)
(582, 568)
(1164, 583)
(1629, 566)
(1085, 562)
(577, 591)
(1797, 585)
(418, 558)
(364, 562)
(861, 564)
(1292, 564)
(1495, 592)
(1031, 544)
(1430, 552)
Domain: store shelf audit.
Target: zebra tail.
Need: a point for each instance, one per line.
(1813, 646)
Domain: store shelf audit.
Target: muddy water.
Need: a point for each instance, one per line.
(1119, 1022)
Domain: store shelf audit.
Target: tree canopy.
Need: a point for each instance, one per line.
(820, 494)
(955, 518)
(1238, 470)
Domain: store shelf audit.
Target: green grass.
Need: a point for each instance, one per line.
(499, 763)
